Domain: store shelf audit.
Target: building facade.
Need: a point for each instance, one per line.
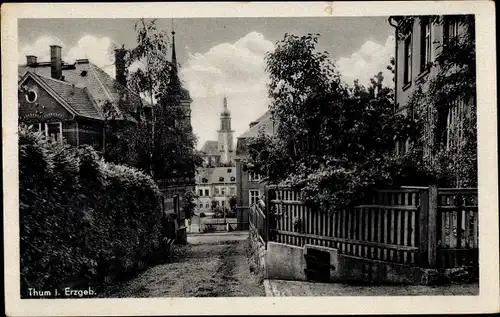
(215, 185)
(418, 44)
(216, 179)
(67, 101)
(249, 187)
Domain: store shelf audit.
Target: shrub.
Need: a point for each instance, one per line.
(81, 218)
(202, 215)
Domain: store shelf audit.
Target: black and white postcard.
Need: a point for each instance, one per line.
(250, 158)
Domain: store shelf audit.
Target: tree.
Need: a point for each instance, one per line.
(161, 142)
(189, 204)
(213, 203)
(232, 202)
(332, 140)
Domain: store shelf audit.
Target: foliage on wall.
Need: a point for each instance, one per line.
(450, 86)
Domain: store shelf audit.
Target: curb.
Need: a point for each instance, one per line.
(268, 288)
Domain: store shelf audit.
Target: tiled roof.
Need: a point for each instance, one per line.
(78, 98)
(214, 174)
(210, 148)
(100, 87)
(264, 122)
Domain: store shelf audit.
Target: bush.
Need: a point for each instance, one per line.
(81, 218)
(202, 215)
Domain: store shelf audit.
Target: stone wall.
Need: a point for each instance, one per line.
(257, 255)
(288, 262)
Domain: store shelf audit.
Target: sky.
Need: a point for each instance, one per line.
(219, 56)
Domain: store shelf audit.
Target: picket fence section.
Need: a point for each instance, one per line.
(417, 226)
(457, 227)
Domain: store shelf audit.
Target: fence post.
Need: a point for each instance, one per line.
(423, 226)
(267, 213)
(432, 229)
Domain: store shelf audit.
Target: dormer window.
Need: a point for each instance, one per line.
(31, 96)
(233, 178)
(83, 73)
(221, 179)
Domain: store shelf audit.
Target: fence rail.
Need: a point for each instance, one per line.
(417, 226)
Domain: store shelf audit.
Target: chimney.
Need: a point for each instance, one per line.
(31, 60)
(121, 76)
(55, 62)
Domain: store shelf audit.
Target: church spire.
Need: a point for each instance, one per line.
(174, 78)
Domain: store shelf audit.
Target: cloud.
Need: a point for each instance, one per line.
(363, 64)
(97, 50)
(235, 70)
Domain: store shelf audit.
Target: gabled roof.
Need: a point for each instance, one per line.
(214, 174)
(43, 84)
(263, 122)
(210, 148)
(78, 98)
(98, 85)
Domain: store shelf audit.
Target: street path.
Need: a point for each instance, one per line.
(211, 265)
(299, 288)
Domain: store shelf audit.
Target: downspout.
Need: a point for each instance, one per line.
(395, 26)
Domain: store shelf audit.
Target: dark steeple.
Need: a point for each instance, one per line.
(175, 83)
(174, 78)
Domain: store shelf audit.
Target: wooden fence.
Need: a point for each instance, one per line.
(417, 226)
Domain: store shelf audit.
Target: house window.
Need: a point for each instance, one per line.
(222, 191)
(201, 192)
(254, 195)
(233, 178)
(217, 191)
(54, 131)
(407, 60)
(204, 180)
(223, 203)
(253, 177)
(229, 170)
(454, 124)
(450, 29)
(201, 206)
(31, 96)
(207, 192)
(232, 191)
(207, 206)
(426, 44)
(221, 179)
(35, 127)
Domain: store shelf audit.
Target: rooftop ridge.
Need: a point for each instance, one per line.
(57, 81)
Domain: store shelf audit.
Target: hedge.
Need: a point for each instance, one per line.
(82, 218)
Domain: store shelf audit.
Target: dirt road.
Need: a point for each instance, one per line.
(210, 266)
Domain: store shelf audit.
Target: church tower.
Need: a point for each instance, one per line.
(225, 143)
(175, 85)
